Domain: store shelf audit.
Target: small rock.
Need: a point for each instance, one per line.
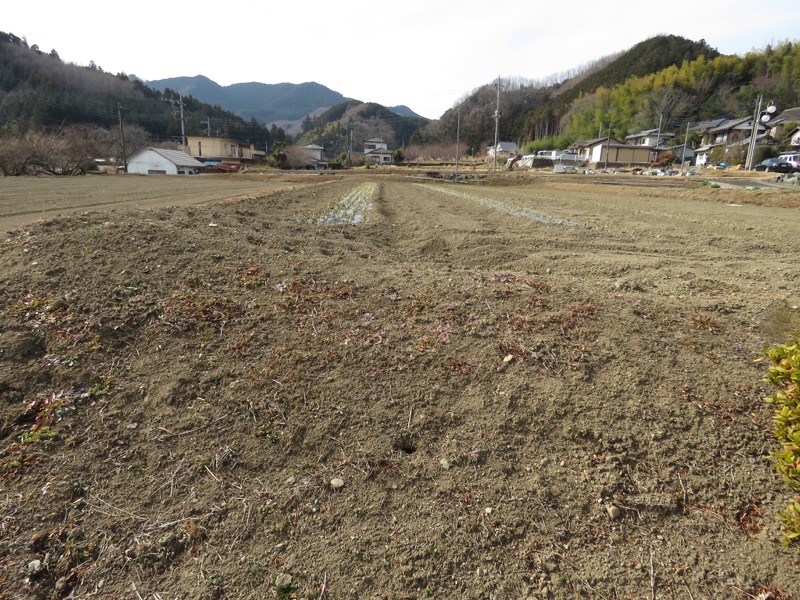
(508, 358)
(283, 581)
(34, 567)
(445, 464)
(613, 511)
(337, 483)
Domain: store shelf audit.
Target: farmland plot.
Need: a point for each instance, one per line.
(25, 199)
(539, 390)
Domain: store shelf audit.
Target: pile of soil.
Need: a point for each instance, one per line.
(540, 389)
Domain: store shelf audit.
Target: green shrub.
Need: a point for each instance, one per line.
(784, 373)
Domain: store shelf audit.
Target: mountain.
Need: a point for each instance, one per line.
(404, 111)
(665, 78)
(38, 91)
(650, 56)
(266, 102)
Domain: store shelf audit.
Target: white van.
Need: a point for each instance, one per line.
(790, 157)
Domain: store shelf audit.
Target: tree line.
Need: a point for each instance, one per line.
(43, 99)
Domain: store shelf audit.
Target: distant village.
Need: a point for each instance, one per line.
(722, 142)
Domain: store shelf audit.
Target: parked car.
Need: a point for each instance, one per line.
(791, 157)
(774, 165)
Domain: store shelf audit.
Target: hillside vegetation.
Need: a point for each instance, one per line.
(665, 76)
(38, 91)
(665, 79)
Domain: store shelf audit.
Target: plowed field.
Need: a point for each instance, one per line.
(376, 387)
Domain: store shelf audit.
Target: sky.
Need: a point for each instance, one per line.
(426, 55)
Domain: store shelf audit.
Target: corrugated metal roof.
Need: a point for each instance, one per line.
(178, 158)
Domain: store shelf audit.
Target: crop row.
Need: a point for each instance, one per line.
(527, 213)
(353, 208)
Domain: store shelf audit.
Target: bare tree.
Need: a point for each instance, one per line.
(17, 155)
(72, 150)
(668, 102)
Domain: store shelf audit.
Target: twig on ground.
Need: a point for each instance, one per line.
(652, 577)
(212, 474)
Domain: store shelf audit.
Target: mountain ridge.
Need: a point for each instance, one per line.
(268, 103)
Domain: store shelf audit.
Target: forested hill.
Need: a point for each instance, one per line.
(665, 79)
(649, 56)
(38, 91)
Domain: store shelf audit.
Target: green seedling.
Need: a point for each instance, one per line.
(784, 373)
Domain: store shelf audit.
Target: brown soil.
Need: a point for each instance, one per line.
(537, 387)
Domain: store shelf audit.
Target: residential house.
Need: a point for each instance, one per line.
(785, 126)
(683, 154)
(159, 161)
(654, 138)
(220, 149)
(732, 134)
(793, 137)
(376, 150)
(314, 156)
(504, 149)
(609, 150)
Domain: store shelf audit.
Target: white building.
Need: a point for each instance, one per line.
(159, 161)
(503, 149)
(376, 150)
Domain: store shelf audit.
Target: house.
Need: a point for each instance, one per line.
(380, 156)
(314, 156)
(376, 150)
(793, 137)
(159, 161)
(702, 155)
(732, 136)
(785, 126)
(609, 150)
(503, 149)
(655, 138)
(727, 131)
(374, 143)
(221, 149)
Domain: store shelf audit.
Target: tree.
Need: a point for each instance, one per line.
(17, 154)
(72, 150)
(278, 155)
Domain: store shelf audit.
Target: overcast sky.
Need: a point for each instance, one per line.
(424, 54)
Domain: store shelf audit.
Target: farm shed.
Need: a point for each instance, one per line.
(159, 161)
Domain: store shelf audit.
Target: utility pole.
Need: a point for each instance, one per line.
(751, 149)
(685, 143)
(658, 134)
(608, 147)
(496, 126)
(349, 145)
(179, 104)
(122, 136)
(183, 123)
(458, 139)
